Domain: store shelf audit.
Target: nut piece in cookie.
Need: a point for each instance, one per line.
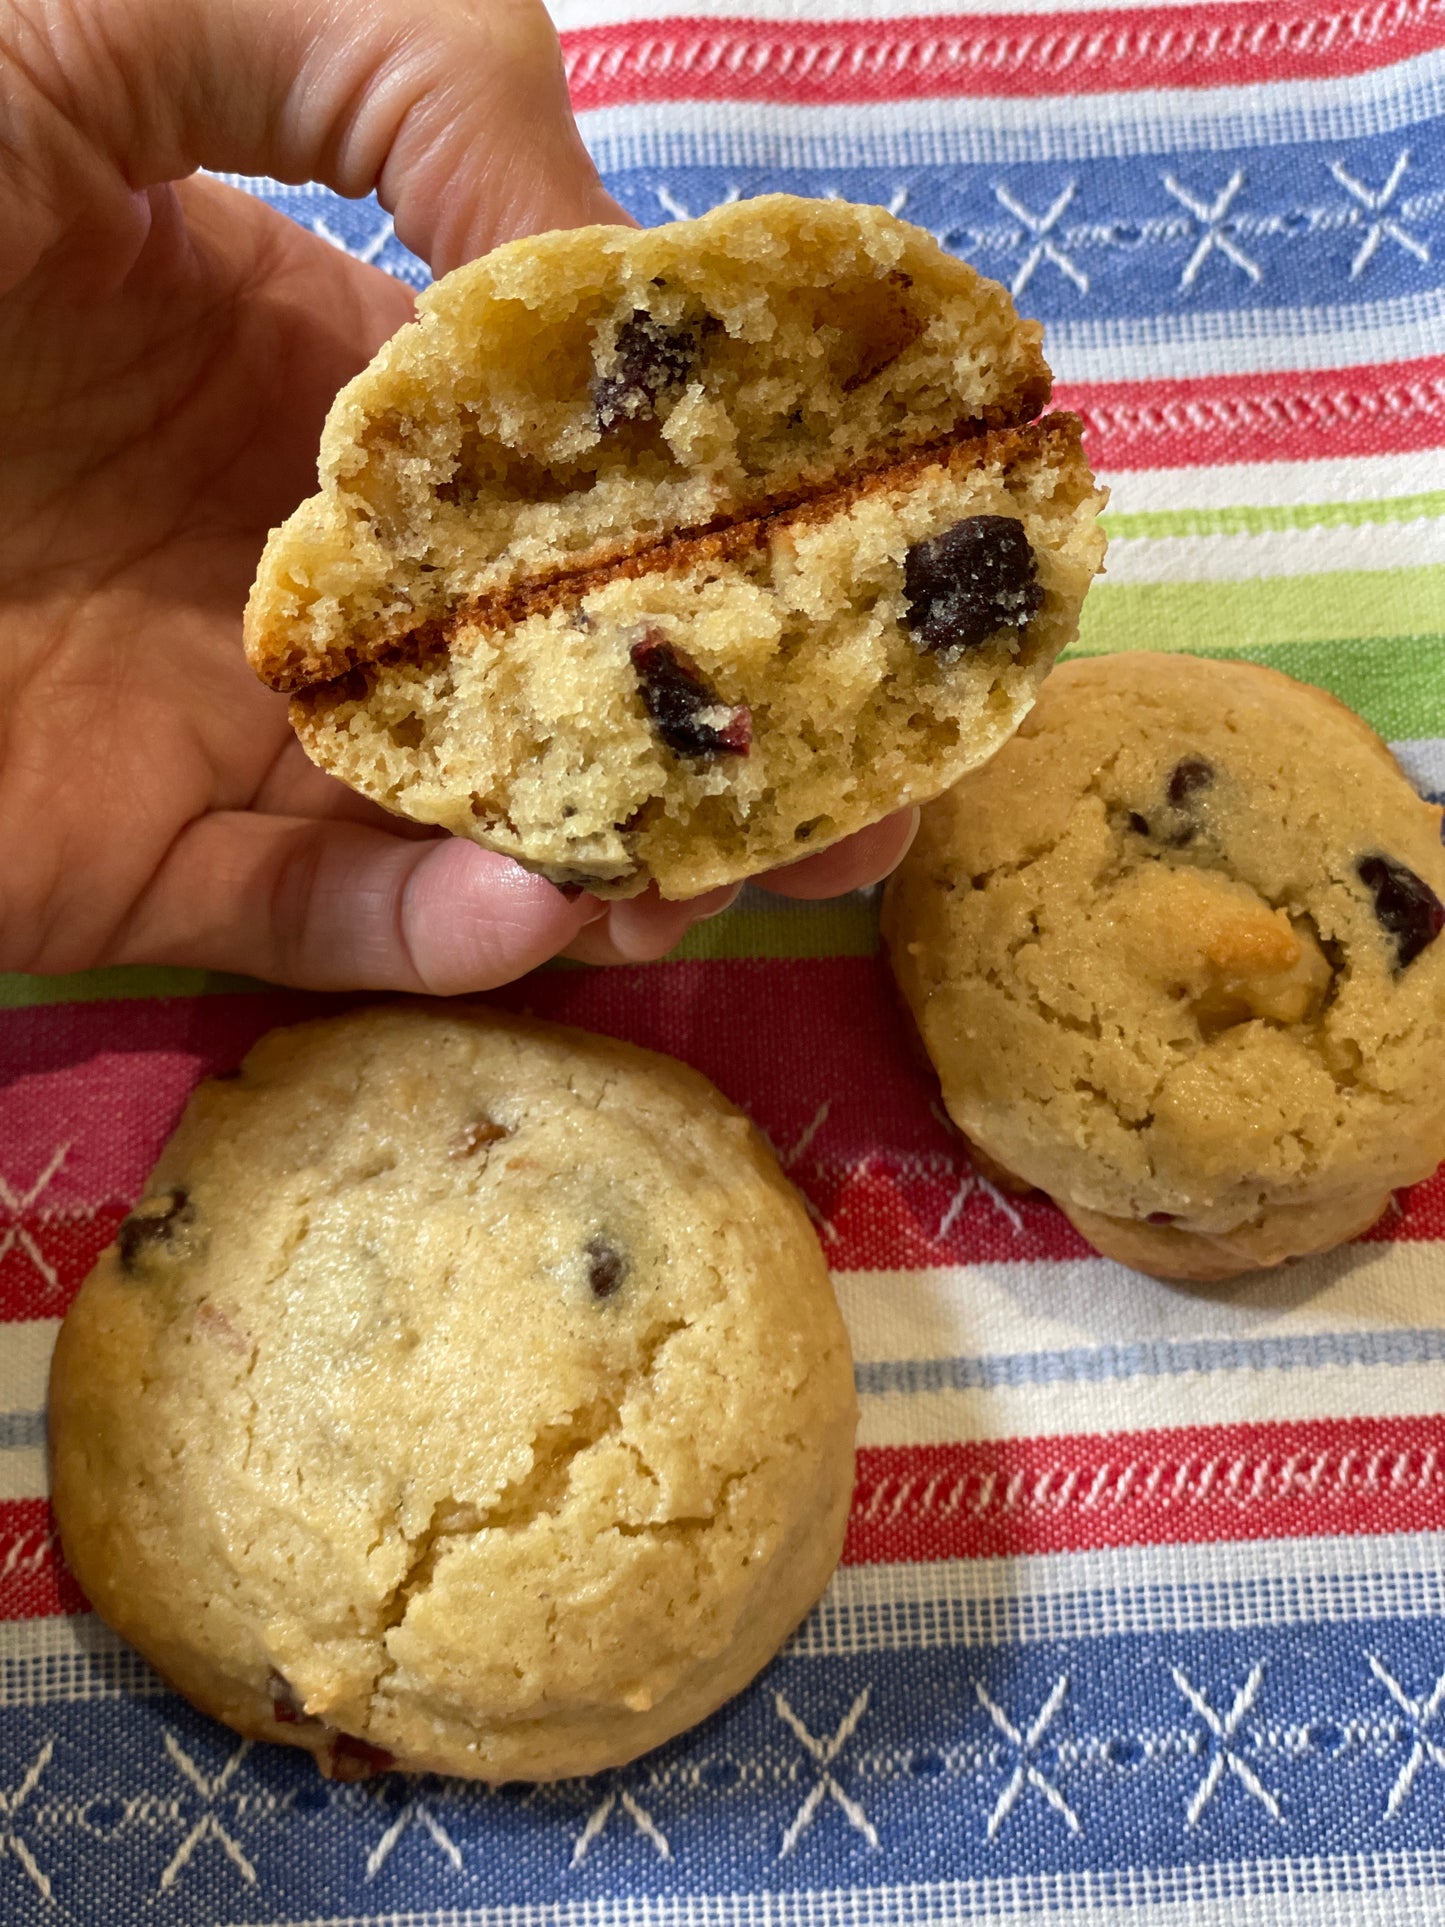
(1178, 957)
(501, 1422)
(644, 556)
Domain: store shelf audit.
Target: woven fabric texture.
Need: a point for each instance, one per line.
(1140, 1618)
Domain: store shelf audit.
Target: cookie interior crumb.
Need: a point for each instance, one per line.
(848, 717)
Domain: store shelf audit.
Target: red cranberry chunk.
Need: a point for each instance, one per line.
(606, 1267)
(1190, 774)
(348, 1758)
(651, 358)
(1406, 908)
(286, 1709)
(969, 583)
(688, 716)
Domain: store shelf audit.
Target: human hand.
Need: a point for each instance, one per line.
(168, 350)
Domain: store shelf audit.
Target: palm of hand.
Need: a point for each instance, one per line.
(152, 434)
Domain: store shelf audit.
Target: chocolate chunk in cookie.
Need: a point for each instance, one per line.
(650, 359)
(1406, 908)
(152, 1226)
(970, 582)
(1188, 776)
(606, 1267)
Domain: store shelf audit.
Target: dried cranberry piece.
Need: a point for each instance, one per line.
(606, 1267)
(1162, 1217)
(1405, 905)
(687, 715)
(154, 1221)
(286, 1708)
(651, 358)
(965, 585)
(348, 1758)
(474, 1136)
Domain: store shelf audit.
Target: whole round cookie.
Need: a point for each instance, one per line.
(467, 1395)
(1175, 954)
(667, 556)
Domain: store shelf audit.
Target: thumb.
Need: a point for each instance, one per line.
(346, 906)
(455, 112)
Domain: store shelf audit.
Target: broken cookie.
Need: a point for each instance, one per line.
(501, 1424)
(640, 550)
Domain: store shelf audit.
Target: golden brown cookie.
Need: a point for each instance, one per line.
(1176, 955)
(467, 1395)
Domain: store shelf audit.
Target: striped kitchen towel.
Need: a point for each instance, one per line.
(1142, 1613)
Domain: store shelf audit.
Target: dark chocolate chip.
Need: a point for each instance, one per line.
(1162, 1217)
(1138, 824)
(154, 1221)
(652, 357)
(348, 1758)
(1187, 776)
(1405, 905)
(688, 716)
(965, 585)
(606, 1267)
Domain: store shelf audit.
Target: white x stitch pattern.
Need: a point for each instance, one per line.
(208, 1827)
(1421, 1715)
(1224, 1755)
(1211, 215)
(1375, 201)
(1027, 1771)
(636, 1812)
(1041, 227)
(10, 1805)
(824, 1753)
(17, 1202)
(418, 1811)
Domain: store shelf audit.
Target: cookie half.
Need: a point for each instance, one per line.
(1178, 957)
(667, 556)
(467, 1395)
